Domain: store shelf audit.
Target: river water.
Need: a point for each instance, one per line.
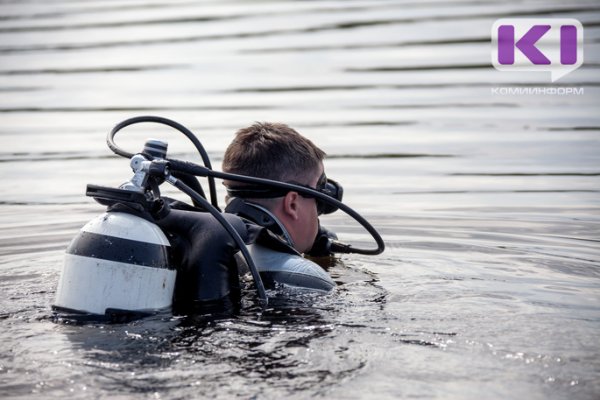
(488, 200)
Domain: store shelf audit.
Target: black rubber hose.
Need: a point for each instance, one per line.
(165, 121)
(230, 229)
(338, 247)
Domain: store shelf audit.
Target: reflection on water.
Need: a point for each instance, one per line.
(489, 206)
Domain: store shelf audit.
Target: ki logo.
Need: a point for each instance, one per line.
(538, 44)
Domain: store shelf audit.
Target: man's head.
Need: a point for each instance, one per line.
(276, 151)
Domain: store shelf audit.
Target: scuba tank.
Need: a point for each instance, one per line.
(119, 262)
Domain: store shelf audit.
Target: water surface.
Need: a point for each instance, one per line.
(489, 204)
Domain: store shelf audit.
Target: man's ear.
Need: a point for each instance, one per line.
(290, 205)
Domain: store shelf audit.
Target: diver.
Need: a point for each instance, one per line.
(148, 252)
(277, 225)
(276, 151)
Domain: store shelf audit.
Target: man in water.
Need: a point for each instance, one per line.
(277, 152)
(279, 225)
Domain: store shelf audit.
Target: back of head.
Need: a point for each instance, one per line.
(272, 151)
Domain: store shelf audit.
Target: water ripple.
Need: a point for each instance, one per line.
(164, 21)
(317, 29)
(132, 109)
(90, 70)
(525, 174)
(386, 155)
(384, 45)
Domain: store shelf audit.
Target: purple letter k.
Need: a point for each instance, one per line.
(506, 50)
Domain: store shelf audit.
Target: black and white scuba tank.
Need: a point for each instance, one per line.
(118, 261)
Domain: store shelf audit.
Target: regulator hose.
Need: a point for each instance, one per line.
(110, 140)
(337, 247)
(230, 229)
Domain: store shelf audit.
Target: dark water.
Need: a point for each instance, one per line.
(489, 203)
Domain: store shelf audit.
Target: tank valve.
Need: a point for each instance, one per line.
(141, 164)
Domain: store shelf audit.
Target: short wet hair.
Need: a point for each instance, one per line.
(273, 151)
